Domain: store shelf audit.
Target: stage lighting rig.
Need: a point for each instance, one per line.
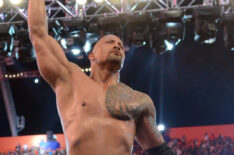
(206, 23)
(167, 30)
(73, 38)
(137, 29)
(76, 41)
(228, 27)
(111, 25)
(20, 43)
(3, 46)
(6, 40)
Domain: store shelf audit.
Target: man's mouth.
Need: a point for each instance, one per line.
(116, 53)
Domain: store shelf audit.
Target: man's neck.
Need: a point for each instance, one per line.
(104, 76)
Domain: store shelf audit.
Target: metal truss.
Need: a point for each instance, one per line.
(69, 10)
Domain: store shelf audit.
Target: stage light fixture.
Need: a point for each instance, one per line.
(228, 27)
(81, 2)
(15, 2)
(137, 29)
(110, 25)
(98, 1)
(76, 41)
(1, 3)
(3, 45)
(161, 127)
(36, 80)
(206, 23)
(87, 46)
(20, 43)
(76, 51)
(63, 42)
(167, 31)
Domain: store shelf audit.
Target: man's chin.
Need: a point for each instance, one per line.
(116, 63)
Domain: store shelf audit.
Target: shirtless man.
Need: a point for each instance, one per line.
(99, 115)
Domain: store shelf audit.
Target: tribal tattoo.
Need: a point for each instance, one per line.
(124, 103)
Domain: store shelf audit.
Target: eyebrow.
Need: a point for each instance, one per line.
(114, 40)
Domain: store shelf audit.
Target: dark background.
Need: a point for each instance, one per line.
(190, 86)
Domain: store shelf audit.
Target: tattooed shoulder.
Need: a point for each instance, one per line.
(124, 103)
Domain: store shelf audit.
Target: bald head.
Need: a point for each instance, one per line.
(106, 37)
(108, 50)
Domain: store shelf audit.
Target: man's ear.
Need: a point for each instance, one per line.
(91, 56)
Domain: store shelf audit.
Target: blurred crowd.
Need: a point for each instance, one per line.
(210, 145)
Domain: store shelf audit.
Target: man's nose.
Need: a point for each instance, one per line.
(116, 47)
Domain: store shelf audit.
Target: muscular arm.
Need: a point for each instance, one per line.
(147, 134)
(51, 60)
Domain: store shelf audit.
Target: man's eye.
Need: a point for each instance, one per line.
(111, 41)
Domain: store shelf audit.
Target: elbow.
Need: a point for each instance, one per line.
(37, 31)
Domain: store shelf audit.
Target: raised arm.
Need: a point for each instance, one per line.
(52, 62)
(147, 133)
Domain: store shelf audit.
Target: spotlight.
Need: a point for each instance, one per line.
(169, 46)
(1, 3)
(63, 43)
(110, 25)
(228, 21)
(76, 41)
(206, 22)
(15, 2)
(161, 127)
(81, 2)
(76, 51)
(138, 29)
(98, 1)
(87, 46)
(3, 45)
(36, 80)
(167, 31)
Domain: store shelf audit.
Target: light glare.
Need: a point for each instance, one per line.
(76, 51)
(98, 1)
(161, 127)
(15, 2)
(87, 46)
(64, 43)
(36, 81)
(169, 45)
(1, 3)
(81, 2)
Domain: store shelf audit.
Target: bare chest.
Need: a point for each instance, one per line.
(119, 102)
